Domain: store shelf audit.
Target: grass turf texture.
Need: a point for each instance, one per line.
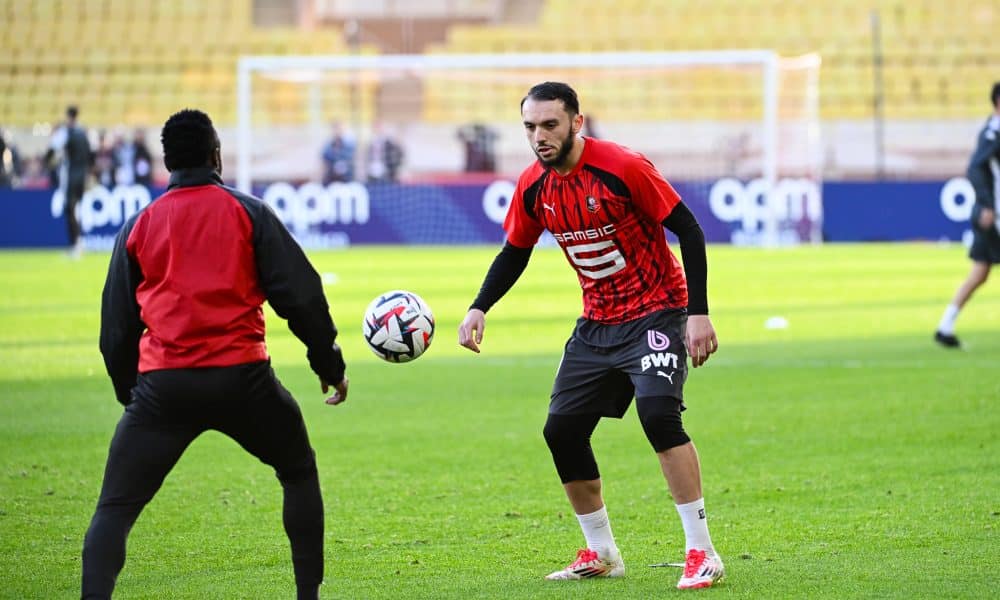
(844, 456)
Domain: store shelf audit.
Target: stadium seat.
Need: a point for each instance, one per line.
(137, 49)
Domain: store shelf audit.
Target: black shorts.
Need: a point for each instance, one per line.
(985, 242)
(604, 366)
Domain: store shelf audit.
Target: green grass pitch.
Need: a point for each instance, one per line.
(845, 456)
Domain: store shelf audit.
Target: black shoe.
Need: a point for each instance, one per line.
(947, 340)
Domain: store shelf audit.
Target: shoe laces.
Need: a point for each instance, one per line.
(583, 557)
(694, 560)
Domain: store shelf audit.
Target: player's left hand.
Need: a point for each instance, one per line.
(470, 331)
(339, 391)
(700, 339)
(986, 218)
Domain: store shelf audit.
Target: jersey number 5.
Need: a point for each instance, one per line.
(611, 261)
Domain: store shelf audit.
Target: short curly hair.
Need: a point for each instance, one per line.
(189, 140)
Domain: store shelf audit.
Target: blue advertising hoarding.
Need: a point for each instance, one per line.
(339, 214)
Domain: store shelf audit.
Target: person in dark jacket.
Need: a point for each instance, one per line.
(71, 143)
(985, 250)
(182, 334)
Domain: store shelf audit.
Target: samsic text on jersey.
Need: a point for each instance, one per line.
(607, 216)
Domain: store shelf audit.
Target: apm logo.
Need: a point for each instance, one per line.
(749, 204)
(101, 207)
(312, 204)
(496, 200)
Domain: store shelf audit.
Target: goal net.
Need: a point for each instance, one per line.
(428, 146)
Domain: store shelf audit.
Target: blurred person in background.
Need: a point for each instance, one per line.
(123, 151)
(105, 166)
(338, 156)
(132, 159)
(985, 249)
(590, 127)
(10, 162)
(71, 144)
(182, 335)
(385, 156)
(479, 142)
(143, 159)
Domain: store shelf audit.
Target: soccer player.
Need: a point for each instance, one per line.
(607, 206)
(985, 250)
(182, 334)
(70, 142)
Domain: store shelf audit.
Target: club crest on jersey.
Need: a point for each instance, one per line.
(592, 204)
(657, 340)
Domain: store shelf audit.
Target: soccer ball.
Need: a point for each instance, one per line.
(399, 326)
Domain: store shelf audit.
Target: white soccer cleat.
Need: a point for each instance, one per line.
(700, 570)
(589, 564)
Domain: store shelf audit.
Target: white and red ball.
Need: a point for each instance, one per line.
(398, 326)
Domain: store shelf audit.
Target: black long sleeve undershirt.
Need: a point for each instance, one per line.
(505, 270)
(692, 239)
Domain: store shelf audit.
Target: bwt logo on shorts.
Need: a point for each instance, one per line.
(659, 360)
(312, 204)
(657, 340)
(667, 360)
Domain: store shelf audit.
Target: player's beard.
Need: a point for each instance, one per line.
(564, 149)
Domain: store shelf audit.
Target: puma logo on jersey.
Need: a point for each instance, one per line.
(549, 207)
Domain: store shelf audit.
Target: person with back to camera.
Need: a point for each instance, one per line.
(182, 334)
(985, 250)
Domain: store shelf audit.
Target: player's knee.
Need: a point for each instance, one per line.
(297, 471)
(566, 433)
(661, 421)
(568, 438)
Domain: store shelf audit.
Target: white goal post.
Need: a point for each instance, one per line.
(767, 62)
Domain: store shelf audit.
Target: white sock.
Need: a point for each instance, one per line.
(597, 531)
(947, 324)
(695, 526)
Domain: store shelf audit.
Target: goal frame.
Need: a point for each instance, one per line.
(767, 60)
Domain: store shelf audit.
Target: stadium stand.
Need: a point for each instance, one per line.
(128, 63)
(936, 54)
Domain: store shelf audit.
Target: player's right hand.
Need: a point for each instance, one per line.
(339, 391)
(470, 332)
(700, 339)
(986, 218)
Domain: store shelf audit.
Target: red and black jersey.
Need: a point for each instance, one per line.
(187, 280)
(607, 217)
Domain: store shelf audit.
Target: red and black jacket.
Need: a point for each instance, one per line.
(187, 280)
